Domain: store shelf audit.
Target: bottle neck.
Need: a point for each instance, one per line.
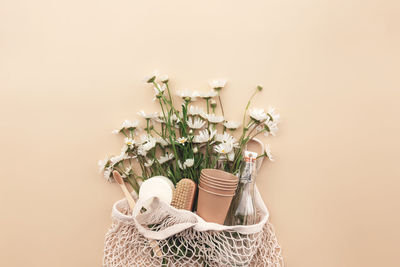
(248, 174)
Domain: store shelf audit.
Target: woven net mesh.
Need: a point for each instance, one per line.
(125, 245)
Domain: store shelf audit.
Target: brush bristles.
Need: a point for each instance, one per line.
(184, 194)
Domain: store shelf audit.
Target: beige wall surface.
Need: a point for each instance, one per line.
(71, 71)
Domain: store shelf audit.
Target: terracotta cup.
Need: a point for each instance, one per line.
(216, 183)
(219, 175)
(218, 189)
(213, 207)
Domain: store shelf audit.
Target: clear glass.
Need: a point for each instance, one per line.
(243, 209)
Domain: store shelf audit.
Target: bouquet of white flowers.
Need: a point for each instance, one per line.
(179, 143)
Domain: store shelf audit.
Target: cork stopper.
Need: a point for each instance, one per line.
(250, 156)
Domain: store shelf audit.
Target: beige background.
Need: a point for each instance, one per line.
(71, 71)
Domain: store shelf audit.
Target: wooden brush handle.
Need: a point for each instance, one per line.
(128, 196)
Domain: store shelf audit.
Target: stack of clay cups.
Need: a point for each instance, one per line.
(216, 190)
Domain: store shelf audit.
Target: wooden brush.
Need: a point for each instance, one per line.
(184, 194)
(128, 195)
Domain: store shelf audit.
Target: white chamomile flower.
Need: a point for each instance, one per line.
(217, 84)
(258, 114)
(212, 118)
(149, 163)
(271, 128)
(182, 167)
(148, 142)
(107, 175)
(196, 123)
(151, 78)
(162, 141)
(212, 133)
(117, 159)
(164, 78)
(188, 163)
(124, 149)
(182, 140)
(209, 94)
(148, 116)
(127, 124)
(103, 164)
(188, 95)
(160, 119)
(175, 118)
(231, 155)
(223, 148)
(226, 151)
(195, 110)
(167, 157)
(195, 150)
(159, 90)
(129, 142)
(142, 151)
(269, 153)
(273, 115)
(231, 125)
(226, 138)
(204, 136)
(130, 125)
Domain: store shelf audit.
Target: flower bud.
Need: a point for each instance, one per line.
(213, 103)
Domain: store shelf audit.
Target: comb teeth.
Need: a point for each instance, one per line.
(184, 194)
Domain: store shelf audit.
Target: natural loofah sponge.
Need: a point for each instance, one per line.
(184, 194)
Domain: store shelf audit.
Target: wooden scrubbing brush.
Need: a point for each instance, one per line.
(184, 194)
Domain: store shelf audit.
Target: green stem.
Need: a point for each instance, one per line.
(257, 134)
(169, 94)
(147, 126)
(220, 102)
(255, 127)
(247, 107)
(123, 132)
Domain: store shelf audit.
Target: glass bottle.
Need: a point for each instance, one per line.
(243, 209)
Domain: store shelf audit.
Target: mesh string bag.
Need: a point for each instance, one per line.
(165, 236)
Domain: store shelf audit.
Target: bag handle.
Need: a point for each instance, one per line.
(164, 233)
(195, 221)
